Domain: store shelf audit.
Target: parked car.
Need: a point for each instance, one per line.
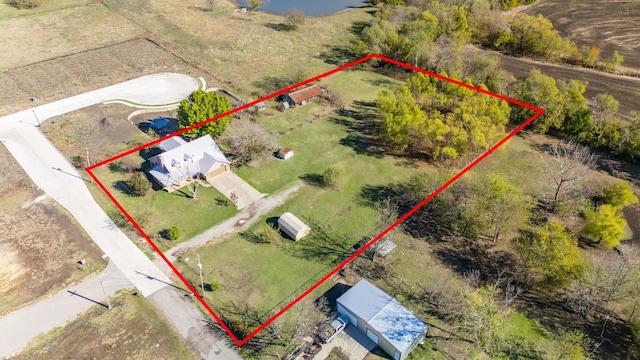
(330, 332)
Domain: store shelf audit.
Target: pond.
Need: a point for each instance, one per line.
(310, 7)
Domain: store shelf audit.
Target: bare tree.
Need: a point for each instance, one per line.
(387, 213)
(249, 141)
(210, 4)
(566, 166)
(610, 279)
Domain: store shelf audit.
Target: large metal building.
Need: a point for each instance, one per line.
(382, 318)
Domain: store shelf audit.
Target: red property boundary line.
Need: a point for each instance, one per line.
(240, 342)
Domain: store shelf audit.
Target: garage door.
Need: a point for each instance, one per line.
(372, 336)
(344, 312)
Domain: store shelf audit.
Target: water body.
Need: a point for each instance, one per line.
(310, 7)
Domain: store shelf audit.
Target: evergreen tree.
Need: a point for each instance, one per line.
(201, 106)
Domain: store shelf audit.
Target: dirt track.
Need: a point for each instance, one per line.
(623, 88)
(610, 25)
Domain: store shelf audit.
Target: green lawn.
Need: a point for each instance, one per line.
(159, 210)
(267, 276)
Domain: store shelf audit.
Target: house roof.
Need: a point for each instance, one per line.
(305, 94)
(384, 314)
(172, 143)
(292, 223)
(200, 151)
(285, 151)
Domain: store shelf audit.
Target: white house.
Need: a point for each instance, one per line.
(183, 161)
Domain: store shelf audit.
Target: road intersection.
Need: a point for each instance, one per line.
(53, 174)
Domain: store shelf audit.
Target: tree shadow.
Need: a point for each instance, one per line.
(313, 179)
(252, 237)
(280, 27)
(552, 313)
(463, 255)
(148, 153)
(331, 296)
(323, 245)
(123, 187)
(363, 126)
(340, 55)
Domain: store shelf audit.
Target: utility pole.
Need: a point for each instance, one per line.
(104, 292)
(201, 281)
(89, 164)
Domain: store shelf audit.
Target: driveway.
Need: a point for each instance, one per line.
(351, 341)
(229, 183)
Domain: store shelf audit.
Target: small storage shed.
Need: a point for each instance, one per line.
(292, 226)
(285, 153)
(302, 96)
(382, 318)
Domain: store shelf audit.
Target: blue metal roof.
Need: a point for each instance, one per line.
(384, 314)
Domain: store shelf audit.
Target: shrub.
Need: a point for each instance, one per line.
(173, 233)
(334, 99)
(269, 235)
(138, 184)
(333, 178)
(215, 285)
(26, 4)
(295, 18)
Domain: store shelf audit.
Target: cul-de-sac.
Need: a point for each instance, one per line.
(340, 179)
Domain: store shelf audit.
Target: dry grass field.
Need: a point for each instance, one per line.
(609, 25)
(132, 329)
(39, 242)
(242, 48)
(74, 27)
(81, 72)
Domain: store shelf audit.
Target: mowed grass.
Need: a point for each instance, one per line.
(58, 29)
(267, 275)
(159, 210)
(132, 329)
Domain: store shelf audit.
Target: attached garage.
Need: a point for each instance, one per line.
(382, 318)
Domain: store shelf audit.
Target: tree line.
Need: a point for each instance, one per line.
(427, 33)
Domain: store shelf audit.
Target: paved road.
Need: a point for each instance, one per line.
(52, 173)
(178, 307)
(19, 327)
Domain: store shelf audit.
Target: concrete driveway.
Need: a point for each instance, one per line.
(351, 341)
(228, 183)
